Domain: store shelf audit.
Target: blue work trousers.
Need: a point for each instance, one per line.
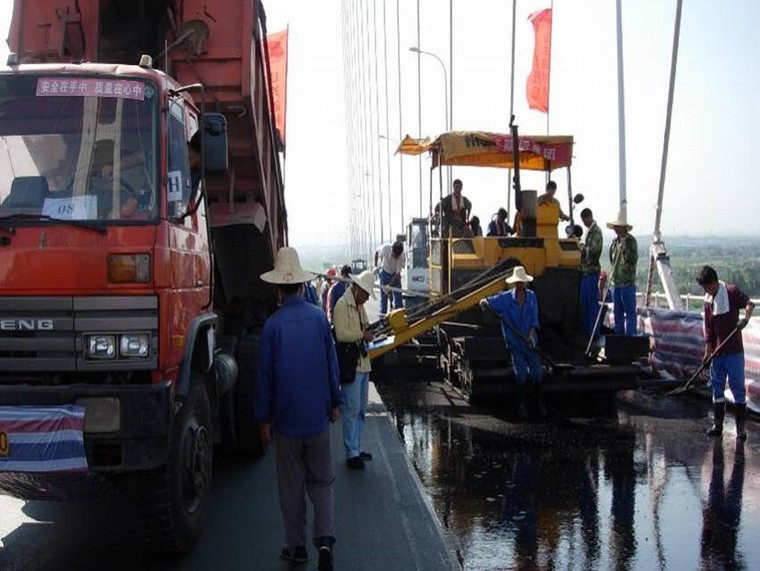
(624, 303)
(729, 367)
(590, 303)
(353, 410)
(526, 364)
(393, 298)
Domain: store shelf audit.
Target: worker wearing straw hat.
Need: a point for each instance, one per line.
(624, 255)
(298, 395)
(518, 310)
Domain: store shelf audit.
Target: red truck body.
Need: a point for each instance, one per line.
(129, 288)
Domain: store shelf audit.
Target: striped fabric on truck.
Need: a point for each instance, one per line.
(42, 439)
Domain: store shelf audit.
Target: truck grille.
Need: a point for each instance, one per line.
(42, 338)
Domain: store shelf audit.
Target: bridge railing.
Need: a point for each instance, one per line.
(691, 302)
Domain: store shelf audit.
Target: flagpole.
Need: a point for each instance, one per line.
(549, 74)
(450, 118)
(511, 103)
(621, 111)
(419, 103)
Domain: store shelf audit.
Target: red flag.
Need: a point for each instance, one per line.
(537, 87)
(278, 65)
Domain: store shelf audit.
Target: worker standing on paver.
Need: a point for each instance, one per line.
(591, 251)
(624, 255)
(548, 198)
(723, 326)
(298, 395)
(518, 310)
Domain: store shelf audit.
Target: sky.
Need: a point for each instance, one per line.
(708, 188)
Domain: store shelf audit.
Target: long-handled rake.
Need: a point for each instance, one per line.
(687, 385)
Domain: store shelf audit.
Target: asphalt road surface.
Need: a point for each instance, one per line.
(631, 483)
(383, 520)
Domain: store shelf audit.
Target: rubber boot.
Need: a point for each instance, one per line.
(741, 419)
(719, 412)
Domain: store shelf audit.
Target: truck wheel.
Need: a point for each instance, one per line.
(172, 499)
(244, 394)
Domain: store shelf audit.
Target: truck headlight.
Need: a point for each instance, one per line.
(133, 345)
(101, 346)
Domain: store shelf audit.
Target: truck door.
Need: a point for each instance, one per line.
(187, 234)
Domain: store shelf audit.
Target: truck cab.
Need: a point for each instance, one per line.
(134, 224)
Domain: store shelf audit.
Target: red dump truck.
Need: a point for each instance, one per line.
(140, 198)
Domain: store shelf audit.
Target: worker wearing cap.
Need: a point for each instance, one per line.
(624, 255)
(324, 286)
(518, 310)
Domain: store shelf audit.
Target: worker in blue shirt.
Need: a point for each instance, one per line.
(518, 310)
(310, 293)
(338, 289)
(298, 395)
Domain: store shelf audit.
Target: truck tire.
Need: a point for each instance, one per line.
(247, 433)
(173, 498)
(228, 445)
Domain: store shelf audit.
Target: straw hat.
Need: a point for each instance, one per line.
(366, 281)
(519, 275)
(287, 269)
(620, 221)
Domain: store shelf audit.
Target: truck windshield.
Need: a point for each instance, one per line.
(78, 148)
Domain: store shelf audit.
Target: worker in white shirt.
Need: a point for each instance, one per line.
(391, 260)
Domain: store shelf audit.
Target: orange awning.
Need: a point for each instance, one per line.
(479, 148)
(411, 146)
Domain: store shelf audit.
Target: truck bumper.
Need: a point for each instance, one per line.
(136, 435)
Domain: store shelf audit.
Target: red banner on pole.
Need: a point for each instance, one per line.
(537, 87)
(278, 65)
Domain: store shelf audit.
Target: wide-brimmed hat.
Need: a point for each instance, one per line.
(519, 275)
(366, 281)
(287, 269)
(620, 221)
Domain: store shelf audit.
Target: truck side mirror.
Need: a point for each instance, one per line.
(215, 143)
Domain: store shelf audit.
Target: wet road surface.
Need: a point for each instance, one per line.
(634, 485)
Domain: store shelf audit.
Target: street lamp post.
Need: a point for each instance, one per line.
(417, 50)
